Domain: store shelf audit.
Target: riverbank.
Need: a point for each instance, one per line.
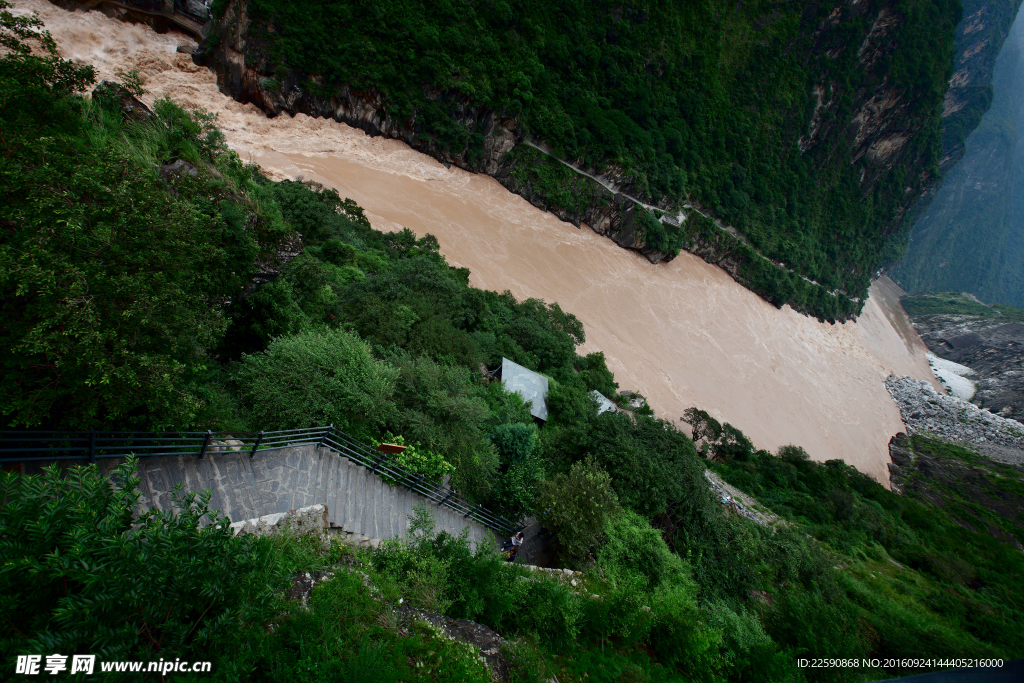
(926, 411)
(683, 334)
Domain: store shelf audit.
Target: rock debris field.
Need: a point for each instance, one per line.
(926, 411)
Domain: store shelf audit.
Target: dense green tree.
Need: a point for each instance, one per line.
(317, 377)
(111, 283)
(576, 507)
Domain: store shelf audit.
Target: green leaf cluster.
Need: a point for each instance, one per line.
(113, 270)
(82, 569)
(576, 507)
(417, 458)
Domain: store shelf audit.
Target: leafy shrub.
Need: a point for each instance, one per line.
(677, 635)
(577, 508)
(82, 570)
(416, 458)
(318, 376)
(631, 547)
(521, 468)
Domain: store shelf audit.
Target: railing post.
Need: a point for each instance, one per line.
(373, 470)
(92, 445)
(327, 430)
(254, 448)
(206, 442)
(450, 494)
(472, 510)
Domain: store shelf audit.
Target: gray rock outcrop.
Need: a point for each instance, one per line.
(311, 520)
(926, 411)
(993, 348)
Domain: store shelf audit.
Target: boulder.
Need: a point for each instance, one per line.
(307, 520)
(116, 96)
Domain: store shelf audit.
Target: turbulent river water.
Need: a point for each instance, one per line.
(683, 333)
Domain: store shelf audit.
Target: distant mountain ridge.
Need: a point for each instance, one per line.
(970, 236)
(979, 39)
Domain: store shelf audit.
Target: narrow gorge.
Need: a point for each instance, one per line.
(682, 333)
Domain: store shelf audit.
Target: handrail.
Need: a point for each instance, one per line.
(92, 446)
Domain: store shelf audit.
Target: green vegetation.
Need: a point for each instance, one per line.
(773, 282)
(144, 308)
(706, 101)
(82, 571)
(919, 570)
(111, 271)
(690, 593)
(953, 303)
(975, 492)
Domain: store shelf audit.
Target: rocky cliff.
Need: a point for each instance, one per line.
(993, 348)
(979, 39)
(240, 53)
(970, 238)
(864, 119)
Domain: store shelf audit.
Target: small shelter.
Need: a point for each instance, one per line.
(603, 404)
(532, 386)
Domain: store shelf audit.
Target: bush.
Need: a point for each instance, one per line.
(81, 570)
(632, 547)
(416, 458)
(577, 508)
(317, 377)
(521, 468)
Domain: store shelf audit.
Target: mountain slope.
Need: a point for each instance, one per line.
(809, 127)
(971, 237)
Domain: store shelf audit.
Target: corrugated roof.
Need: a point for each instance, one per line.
(533, 387)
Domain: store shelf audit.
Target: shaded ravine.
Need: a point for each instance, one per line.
(683, 333)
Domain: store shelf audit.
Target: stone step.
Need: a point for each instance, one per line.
(359, 503)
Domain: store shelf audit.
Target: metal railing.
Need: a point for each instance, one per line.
(50, 446)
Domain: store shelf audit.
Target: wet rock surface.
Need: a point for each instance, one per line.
(925, 411)
(993, 348)
(115, 95)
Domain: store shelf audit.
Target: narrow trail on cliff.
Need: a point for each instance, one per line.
(681, 216)
(683, 333)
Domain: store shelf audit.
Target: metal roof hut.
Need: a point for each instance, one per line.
(532, 386)
(603, 404)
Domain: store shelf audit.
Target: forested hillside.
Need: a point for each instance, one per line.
(979, 40)
(808, 127)
(149, 282)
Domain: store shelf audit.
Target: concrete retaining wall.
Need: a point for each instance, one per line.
(359, 503)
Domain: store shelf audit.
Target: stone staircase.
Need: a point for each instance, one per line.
(360, 504)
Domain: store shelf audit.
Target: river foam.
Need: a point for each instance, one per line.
(681, 333)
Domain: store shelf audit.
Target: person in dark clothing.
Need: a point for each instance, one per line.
(510, 548)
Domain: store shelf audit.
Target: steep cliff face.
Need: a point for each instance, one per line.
(241, 56)
(971, 237)
(979, 38)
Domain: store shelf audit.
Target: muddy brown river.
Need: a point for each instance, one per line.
(681, 333)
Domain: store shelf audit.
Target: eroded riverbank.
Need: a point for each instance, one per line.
(683, 333)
